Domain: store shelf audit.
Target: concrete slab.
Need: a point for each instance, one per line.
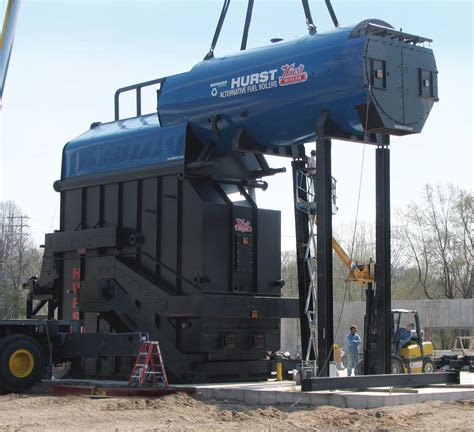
(273, 392)
(287, 392)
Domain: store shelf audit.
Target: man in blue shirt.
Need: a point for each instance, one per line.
(353, 342)
(404, 336)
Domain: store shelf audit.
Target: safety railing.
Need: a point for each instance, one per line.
(305, 186)
(138, 95)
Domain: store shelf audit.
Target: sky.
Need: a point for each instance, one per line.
(69, 57)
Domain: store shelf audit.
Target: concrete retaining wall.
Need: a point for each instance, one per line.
(434, 314)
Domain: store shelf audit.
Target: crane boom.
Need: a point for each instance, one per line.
(357, 273)
(6, 40)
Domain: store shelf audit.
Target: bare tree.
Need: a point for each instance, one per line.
(438, 235)
(289, 273)
(18, 258)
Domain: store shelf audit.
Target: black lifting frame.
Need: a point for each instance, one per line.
(378, 322)
(323, 193)
(377, 340)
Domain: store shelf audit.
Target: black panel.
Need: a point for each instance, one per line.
(192, 253)
(169, 229)
(72, 207)
(403, 85)
(420, 87)
(92, 207)
(148, 217)
(386, 91)
(243, 229)
(269, 252)
(217, 254)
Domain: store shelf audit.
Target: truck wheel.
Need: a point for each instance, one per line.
(397, 366)
(21, 363)
(428, 366)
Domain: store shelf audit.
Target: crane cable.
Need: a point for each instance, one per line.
(361, 172)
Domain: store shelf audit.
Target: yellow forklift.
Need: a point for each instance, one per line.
(409, 354)
(415, 355)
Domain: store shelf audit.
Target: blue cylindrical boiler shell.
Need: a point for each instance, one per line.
(279, 115)
(333, 70)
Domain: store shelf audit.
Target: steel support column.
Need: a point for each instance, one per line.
(383, 305)
(302, 238)
(370, 333)
(323, 191)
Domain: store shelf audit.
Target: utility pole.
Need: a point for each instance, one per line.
(13, 237)
(20, 250)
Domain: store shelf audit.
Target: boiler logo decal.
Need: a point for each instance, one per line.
(241, 225)
(264, 80)
(292, 74)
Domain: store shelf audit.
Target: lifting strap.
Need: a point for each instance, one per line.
(332, 13)
(225, 7)
(248, 18)
(309, 18)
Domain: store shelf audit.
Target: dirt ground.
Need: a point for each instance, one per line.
(39, 411)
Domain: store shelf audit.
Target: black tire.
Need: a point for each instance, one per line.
(21, 363)
(428, 366)
(397, 366)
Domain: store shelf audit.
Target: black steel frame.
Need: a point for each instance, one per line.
(383, 291)
(382, 380)
(378, 322)
(323, 191)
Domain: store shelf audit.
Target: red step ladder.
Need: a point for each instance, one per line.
(149, 368)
